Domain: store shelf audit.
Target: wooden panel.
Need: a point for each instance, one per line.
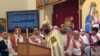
(26, 49)
(22, 55)
(37, 51)
(22, 49)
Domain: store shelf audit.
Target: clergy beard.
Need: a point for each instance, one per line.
(46, 31)
(63, 32)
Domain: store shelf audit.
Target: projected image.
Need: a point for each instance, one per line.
(23, 19)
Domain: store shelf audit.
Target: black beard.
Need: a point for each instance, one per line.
(63, 32)
(46, 31)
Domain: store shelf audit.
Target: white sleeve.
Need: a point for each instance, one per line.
(30, 41)
(11, 52)
(70, 48)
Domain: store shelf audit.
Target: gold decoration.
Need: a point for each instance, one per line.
(3, 22)
(53, 39)
(93, 4)
(69, 22)
(80, 7)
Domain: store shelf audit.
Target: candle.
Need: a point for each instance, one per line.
(17, 33)
(27, 33)
(17, 37)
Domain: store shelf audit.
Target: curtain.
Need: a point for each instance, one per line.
(64, 10)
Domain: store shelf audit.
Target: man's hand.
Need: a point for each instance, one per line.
(9, 50)
(67, 54)
(36, 41)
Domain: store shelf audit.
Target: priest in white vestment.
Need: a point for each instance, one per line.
(53, 39)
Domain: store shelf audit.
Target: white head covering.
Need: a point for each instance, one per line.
(46, 22)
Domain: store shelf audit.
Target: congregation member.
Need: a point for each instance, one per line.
(77, 49)
(36, 37)
(66, 38)
(98, 26)
(85, 36)
(94, 38)
(53, 39)
(86, 40)
(17, 37)
(5, 46)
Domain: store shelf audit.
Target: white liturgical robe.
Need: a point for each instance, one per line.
(55, 43)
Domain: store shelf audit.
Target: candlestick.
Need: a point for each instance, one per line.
(17, 36)
(17, 33)
(27, 33)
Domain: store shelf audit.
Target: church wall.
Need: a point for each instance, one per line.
(46, 11)
(86, 7)
(31, 4)
(12, 5)
(17, 5)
